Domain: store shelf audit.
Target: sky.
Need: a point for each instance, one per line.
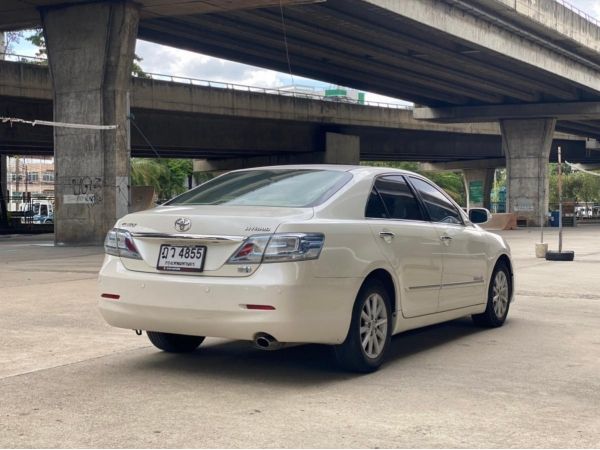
(170, 61)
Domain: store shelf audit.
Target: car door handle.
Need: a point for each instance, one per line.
(446, 238)
(384, 234)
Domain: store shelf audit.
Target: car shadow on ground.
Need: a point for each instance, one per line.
(298, 365)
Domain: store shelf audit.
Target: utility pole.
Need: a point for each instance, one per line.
(2, 45)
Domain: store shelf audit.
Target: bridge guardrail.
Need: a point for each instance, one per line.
(275, 91)
(231, 86)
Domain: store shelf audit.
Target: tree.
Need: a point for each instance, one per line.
(136, 69)
(167, 176)
(577, 186)
(37, 39)
(11, 38)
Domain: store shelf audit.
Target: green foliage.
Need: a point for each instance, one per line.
(203, 177)
(167, 176)
(37, 39)
(451, 182)
(576, 186)
(136, 69)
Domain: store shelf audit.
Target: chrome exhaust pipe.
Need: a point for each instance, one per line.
(264, 341)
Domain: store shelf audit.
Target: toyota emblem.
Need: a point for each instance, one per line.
(183, 224)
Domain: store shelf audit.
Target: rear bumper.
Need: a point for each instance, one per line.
(307, 308)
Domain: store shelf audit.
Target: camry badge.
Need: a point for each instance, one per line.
(183, 224)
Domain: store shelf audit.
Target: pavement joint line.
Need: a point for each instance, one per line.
(56, 258)
(72, 363)
(561, 295)
(38, 283)
(43, 269)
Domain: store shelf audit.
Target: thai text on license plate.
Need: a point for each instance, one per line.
(177, 258)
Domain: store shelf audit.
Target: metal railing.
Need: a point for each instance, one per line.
(230, 86)
(536, 6)
(14, 57)
(273, 91)
(579, 12)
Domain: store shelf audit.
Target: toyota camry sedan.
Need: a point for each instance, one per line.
(340, 255)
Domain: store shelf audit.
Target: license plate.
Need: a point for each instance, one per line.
(177, 258)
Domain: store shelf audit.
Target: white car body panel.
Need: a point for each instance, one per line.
(415, 253)
(433, 281)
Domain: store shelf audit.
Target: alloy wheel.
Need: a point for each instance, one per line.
(373, 325)
(500, 294)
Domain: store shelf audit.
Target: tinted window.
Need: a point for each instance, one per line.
(440, 209)
(375, 207)
(397, 198)
(285, 188)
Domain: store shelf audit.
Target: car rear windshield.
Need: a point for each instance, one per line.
(293, 188)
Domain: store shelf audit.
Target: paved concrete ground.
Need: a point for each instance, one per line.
(69, 380)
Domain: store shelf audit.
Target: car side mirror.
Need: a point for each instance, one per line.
(479, 215)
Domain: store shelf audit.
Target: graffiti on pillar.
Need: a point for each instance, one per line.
(86, 190)
(523, 205)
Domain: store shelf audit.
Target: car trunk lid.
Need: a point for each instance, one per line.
(219, 229)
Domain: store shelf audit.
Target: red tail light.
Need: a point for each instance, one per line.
(261, 307)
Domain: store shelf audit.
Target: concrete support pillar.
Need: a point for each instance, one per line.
(478, 187)
(341, 149)
(3, 189)
(2, 45)
(526, 145)
(90, 52)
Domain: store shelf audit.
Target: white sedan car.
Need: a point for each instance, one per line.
(340, 255)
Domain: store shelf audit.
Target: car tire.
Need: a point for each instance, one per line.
(560, 256)
(365, 346)
(498, 302)
(174, 343)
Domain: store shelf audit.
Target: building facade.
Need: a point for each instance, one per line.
(29, 178)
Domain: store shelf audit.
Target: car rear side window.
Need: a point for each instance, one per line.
(438, 206)
(393, 195)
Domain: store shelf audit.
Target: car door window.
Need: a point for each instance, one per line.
(395, 196)
(438, 206)
(375, 208)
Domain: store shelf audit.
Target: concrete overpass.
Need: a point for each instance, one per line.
(537, 58)
(227, 123)
(230, 127)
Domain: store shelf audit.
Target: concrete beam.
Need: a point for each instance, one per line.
(90, 52)
(474, 164)
(341, 149)
(227, 164)
(29, 81)
(552, 19)
(24, 14)
(480, 33)
(562, 111)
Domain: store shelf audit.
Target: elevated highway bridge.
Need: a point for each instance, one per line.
(529, 65)
(223, 122)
